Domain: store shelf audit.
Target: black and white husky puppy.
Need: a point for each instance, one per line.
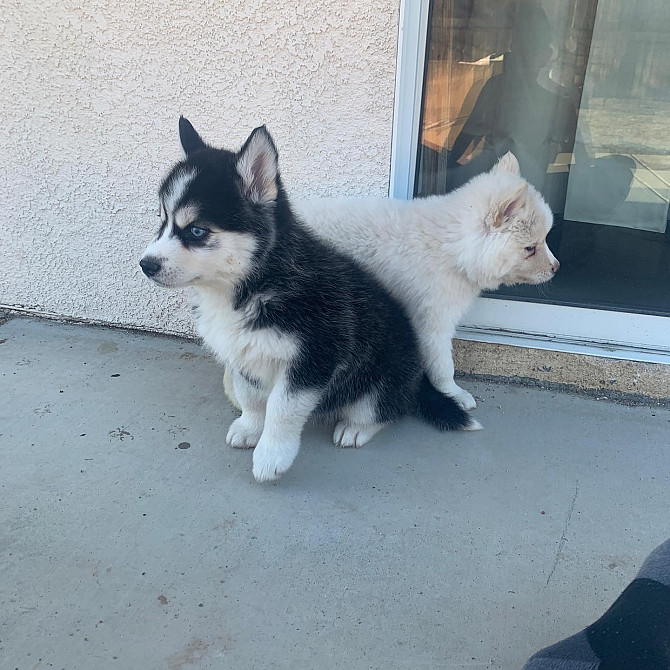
(302, 328)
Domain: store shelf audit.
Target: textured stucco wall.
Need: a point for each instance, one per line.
(90, 96)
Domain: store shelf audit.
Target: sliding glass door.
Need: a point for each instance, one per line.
(579, 90)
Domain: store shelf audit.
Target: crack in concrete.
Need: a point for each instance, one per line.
(5, 317)
(563, 540)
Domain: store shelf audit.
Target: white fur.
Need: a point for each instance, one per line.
(262, 354)
(257, 165)
(286, 413)
(246, 430)
(185, 216)
(352, 435)
(226, 258)
(436, 254)
(177, 189)
(359, 425)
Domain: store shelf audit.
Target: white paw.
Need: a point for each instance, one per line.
(474, 425)
(347, 435)
(270, 462)
(243, 434)
(463, 398)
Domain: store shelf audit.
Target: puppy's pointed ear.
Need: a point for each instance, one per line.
(508, 163)
(257, 165)
(190, 140)
(505, 210)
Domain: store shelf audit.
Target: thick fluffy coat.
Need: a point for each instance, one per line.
(300, 326)
(437, 254)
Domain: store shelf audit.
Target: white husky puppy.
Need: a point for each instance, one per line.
(437, 254)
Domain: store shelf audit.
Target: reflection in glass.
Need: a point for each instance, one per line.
(579, 90)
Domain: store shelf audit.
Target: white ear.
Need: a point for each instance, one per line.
(508, 163)
(507, 207)
(257, 165)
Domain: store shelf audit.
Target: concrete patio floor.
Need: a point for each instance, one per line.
(132, 538)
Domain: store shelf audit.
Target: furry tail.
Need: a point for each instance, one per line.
(441, 410)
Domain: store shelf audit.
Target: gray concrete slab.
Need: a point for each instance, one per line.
(422, 550)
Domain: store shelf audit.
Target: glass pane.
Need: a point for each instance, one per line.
(579, 90)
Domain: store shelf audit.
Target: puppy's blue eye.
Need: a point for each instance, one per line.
(530, 250)
(198, 233)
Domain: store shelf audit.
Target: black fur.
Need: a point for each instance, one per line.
(190, 140)
(355, 339)
(437, 408)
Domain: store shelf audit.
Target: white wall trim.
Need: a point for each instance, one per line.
(410, 61)
(622, 335)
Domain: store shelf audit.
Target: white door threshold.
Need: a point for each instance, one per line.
(590, 332)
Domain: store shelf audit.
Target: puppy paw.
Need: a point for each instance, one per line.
(271, 462)
(474, 425)
(463, 398)
(243, 434)
(348, 435)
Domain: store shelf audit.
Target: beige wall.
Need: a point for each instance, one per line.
(89, 101)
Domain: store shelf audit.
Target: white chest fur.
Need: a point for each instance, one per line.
(259, 353)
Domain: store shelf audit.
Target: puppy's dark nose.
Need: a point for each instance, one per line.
(150, 266)
(555, 266)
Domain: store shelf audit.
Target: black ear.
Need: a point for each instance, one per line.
(190, 140)
(258, 166)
